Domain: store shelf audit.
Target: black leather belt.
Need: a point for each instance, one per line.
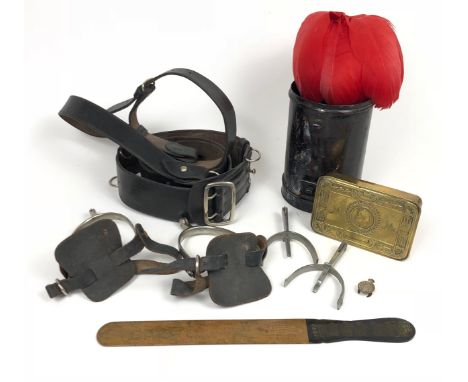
(197, 175)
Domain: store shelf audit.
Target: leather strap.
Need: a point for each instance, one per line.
(167, 199)
(101, 266)
(213, 91)
(95, 261)
(242, 280)
(170, 159)
(166, 174)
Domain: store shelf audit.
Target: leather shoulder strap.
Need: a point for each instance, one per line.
(210, 88)
(169, 159)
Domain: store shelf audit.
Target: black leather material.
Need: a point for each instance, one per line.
(379, 330)
(242, 280)
(158, 196)
(94, 260)
(165, 174)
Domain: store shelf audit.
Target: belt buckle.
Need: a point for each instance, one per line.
(207, 198)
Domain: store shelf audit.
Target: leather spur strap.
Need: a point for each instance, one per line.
(94, 260)
(198, 175)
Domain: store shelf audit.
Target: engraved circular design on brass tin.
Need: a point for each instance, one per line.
(362, 216)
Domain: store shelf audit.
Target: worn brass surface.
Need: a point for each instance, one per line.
(367, 215)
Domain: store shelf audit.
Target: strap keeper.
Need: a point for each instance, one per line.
(144, 89)
(254, 258)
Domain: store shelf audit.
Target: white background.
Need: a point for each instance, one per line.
(102, 50)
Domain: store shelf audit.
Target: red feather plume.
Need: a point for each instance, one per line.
(343, 60)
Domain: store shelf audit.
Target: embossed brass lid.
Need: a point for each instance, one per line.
(367, 215)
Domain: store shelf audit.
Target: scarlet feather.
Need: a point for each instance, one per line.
(309, 44)
(342, 60)
(375, 43)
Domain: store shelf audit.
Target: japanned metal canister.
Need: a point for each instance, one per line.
(322, 139)
(367, 215)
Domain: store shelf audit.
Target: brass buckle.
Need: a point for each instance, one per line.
(206, 203)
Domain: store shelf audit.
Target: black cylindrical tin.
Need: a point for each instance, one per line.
(322, 139)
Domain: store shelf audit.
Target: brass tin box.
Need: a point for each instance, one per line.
(373, 217)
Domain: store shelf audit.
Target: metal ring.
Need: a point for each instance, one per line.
(198, 231)
(60, 286)
(113, 182)
(215, 173)
(197, 266)
(184, 223)
(259, 155)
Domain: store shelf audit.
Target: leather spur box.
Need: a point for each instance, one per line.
(367, 215)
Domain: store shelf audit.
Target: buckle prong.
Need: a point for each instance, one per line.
(60, 286)
(212, 196)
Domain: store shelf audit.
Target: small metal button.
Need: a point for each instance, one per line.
(366, 287)
(183, 168)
